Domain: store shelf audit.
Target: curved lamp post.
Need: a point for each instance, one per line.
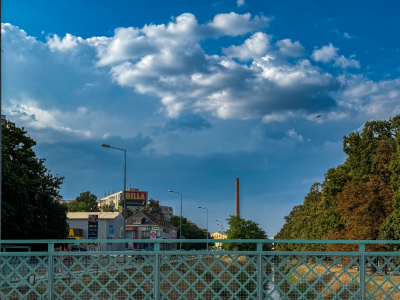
(180, 221)
(124, 191)
(207, 222)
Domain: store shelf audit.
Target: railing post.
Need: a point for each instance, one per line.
(361, 249)
(50, 274)
(260, 271)
(157, 272)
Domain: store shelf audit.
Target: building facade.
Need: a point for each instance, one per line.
(219, 236)
(143, 225)
(109, 226)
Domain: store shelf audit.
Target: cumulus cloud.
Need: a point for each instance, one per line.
(289, 48)
(30, 114)
(234, 24)
(258, 79)
(66, 43)
(292, 134)
(254, 47)
(240, 3)
(330, 53)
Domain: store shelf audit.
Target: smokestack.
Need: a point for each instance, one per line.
(237, 206)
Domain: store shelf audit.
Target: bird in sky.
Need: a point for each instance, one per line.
(318, 116)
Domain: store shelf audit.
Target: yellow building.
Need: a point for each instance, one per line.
(218, 236)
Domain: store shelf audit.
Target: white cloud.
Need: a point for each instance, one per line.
(329, 53)
(66, 43)
(325, 54)
(257, 79)
(28, 113)
(252, 48)
(288, 48)
(233, 24)
(292, 134)
(240, 3)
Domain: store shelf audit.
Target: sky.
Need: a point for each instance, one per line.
(199, 93)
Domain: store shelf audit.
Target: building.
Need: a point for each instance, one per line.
(143, 225)
(168, 211)
(114, 200)
(109, 226)
(219, 236)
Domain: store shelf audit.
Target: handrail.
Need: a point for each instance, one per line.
(159, 241)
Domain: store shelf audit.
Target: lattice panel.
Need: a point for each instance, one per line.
(228, 276)
(23, 277)
(311, 277)
(104, 277)
(382, 277)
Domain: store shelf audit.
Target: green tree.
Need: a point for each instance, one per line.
(190, 230)
(30, 193)
(107, 208)
(85, 202)
(240, 228)
(391, 228)
(356, 198)
(153, 207)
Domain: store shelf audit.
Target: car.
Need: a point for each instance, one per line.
(77, 248)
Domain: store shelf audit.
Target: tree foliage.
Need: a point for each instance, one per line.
(153, 207)
(85, 202)
(240, 228)
(107, 208)
(30, 193)
(190, 230)
(359, 199)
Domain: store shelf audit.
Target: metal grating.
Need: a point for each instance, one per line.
(200, 275)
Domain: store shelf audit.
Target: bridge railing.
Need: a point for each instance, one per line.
(38, 269)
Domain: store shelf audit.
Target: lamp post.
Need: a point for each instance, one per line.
(222, 226)
(180, 221)
(207, 222)
(124, 191)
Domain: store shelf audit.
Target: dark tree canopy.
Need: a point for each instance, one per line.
(86, 201)
(190, 231)
(359, 199)
(30, 193)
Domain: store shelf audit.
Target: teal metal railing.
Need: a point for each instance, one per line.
(45, 272)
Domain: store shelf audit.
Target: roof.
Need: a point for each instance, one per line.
(85, 215)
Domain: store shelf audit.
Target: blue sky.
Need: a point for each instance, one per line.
(199, 93)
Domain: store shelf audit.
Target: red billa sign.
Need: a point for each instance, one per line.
(137, 198)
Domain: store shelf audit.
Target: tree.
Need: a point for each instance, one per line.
(86, 201)
(153, 207)
(363, 207)
(240, 228)
(30, 193)
(107, 208)
(359, 199)
(309, 221)
(391, 228)
(190, 230)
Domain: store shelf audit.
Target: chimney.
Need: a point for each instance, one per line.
(237, 206)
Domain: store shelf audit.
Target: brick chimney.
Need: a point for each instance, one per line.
(237, 206)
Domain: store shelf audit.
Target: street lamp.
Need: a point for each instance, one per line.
(207, 222)
(180, 221)
(124, 192)
(222, 226)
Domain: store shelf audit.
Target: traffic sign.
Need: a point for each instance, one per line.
(182, 237)
(153, 234)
